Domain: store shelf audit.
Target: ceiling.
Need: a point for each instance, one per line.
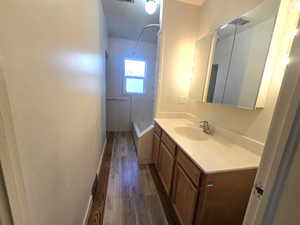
(126, 20)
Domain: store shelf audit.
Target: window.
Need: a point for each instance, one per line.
(134, 77)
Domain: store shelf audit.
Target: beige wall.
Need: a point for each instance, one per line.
(52, 55)
(211, 15)
(179, 30)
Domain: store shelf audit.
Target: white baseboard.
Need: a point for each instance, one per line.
(101, 157)
(87, 211)
(90, 202)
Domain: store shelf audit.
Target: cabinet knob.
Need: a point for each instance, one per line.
(210, 184)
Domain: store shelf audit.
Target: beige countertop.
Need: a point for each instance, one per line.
(213, 154)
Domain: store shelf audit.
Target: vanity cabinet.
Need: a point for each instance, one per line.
(224, 197)
(184, 196)
(200, 198)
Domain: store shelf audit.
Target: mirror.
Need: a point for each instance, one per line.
(202, 56)
(238, 52)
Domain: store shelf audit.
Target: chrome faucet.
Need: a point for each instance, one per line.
(206, 128)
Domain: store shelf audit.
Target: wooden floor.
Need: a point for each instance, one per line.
(132, 197)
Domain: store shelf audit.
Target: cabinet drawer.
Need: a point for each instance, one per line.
(189, 167)
(157, 129)
(169, 143)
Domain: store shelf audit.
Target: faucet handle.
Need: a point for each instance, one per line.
(206, 128)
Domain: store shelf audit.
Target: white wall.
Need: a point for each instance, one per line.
(141, 109)
(184, 25)
(52, 56)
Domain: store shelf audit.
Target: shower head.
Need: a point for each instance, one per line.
(151, 25)
(141, 34)
(239, 21)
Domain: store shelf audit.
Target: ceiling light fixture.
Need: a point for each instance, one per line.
(151, 6)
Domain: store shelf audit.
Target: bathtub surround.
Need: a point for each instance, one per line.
(142, 136)
(53, 60)
(122, 109)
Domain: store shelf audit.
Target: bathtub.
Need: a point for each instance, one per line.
(142, 135)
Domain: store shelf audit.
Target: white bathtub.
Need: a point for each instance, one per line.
(142, 135)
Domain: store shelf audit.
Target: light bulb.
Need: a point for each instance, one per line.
(151, 7)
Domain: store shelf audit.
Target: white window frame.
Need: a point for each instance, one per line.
(134, 77)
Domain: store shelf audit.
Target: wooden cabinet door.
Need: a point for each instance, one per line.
(184, 196)
(224, 197)
(155, 150)
(166, 165)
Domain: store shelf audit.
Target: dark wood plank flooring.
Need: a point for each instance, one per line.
(132, 197)
(165, 199)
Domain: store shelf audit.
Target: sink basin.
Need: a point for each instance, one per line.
(192, 133)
